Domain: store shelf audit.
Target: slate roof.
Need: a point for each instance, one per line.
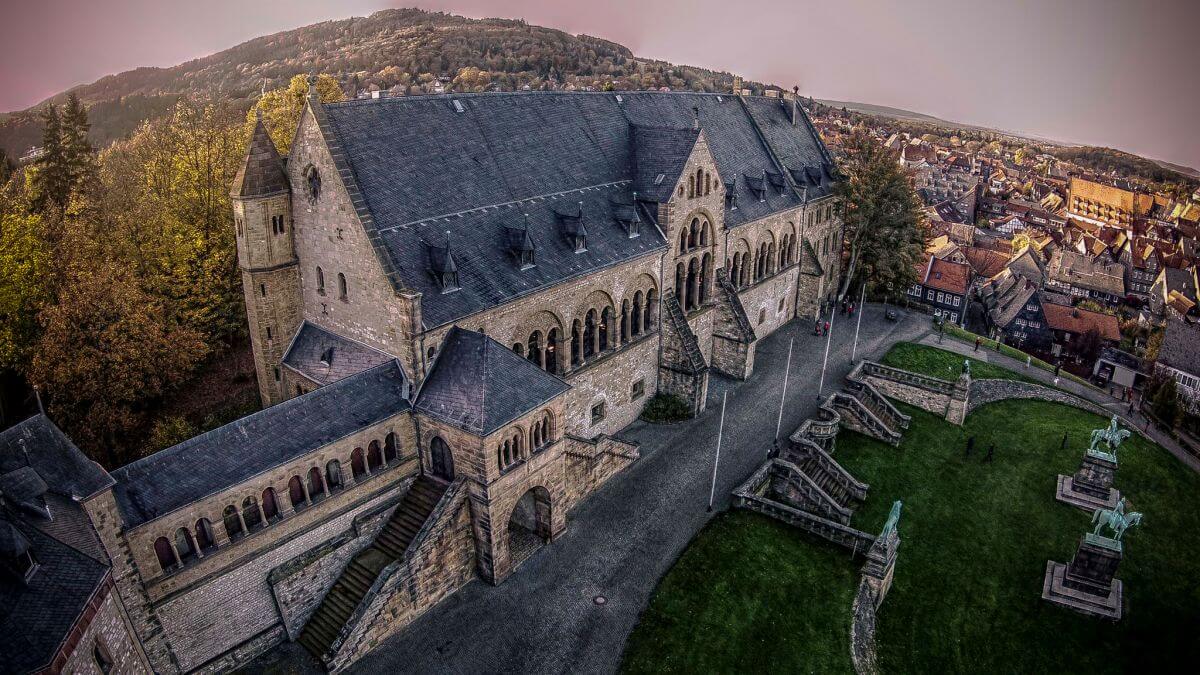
(1005, 296)
(39, 463)
(1178, 348)
(313, 345)
(1083, 271)
(262, 172)
(479, 385)
(477, 171)
(39, 443)
(156, 485)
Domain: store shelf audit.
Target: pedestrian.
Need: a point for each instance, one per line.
(1064, 441)
(843, 306)
(978, 341)
(852, 309)
(826, 326)
(1057, 368)
(970, 445)
(1056, 380)
(817, 327)
(991, 451)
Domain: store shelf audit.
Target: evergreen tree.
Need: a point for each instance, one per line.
(76, 147)
(52, 181)
(6, 167)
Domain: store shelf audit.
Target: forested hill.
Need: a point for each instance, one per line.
(405, 47)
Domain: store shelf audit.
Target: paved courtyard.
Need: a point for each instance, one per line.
(621, 540)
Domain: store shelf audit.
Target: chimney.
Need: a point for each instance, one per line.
(795, 105)
(696, 118)
(737, 85)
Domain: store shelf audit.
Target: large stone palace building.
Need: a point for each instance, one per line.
(455, 302)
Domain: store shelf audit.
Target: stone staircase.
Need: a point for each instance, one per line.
(804, 492)
(742, 323)
(857, 415)
(831, 477)
(879, 404)
(359, 575)
(677, 323)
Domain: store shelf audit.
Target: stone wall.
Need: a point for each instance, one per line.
(220, 613)
(439, 561)
(300, 584)
(862, 631)
(990, 391)
(103, 626)
(927, 393)
(590, 463)
(273, 315)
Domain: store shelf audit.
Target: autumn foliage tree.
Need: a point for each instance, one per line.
(884, 232)
(281, 108)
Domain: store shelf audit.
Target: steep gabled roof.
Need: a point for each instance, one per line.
(479, 385)
(660, 154)
(1178, 348)
(39, 443)
(226, 456)
(261, 173)
(326, 357)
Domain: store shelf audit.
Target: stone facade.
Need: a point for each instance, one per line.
(102, 636)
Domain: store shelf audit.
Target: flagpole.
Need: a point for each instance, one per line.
(717, 460)
(861, 307)
(783, 393)
(825, 362)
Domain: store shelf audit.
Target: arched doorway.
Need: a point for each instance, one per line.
(442, 462)
(529, 525)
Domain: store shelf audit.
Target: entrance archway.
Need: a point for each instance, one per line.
(441, 460)
(529, 525)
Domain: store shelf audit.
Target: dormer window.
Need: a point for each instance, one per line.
(327, 357)
(775, 178)
(573, 228)
(443, 266)
(731, 195)
(626, 214)
(521, 246)
(16, 554)
(758, 186)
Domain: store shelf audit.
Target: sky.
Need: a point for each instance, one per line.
(1123, 74)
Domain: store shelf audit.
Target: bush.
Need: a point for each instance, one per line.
(666, 408)
(167, 432)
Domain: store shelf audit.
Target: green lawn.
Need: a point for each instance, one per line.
(967, 590)
(944, 364)
(752, 595)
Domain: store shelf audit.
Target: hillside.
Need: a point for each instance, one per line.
(400, 47)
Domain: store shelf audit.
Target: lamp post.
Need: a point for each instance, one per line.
(861, 308)
(712, 491)
(825, 362)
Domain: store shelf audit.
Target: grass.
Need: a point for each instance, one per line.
(750, 594)
(990, 344)
(967, 592)
(947, 365)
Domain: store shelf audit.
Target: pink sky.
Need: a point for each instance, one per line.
(1106, 72)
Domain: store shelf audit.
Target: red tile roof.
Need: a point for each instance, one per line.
(944, 275)
(1079, 321)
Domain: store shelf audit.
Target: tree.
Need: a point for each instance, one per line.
(24, 260)
(883, 230)
(7, 166)
(77, 150)
(281, 108)
(1165, 401)
(106, 349)
(1089, 345)
(52, 178)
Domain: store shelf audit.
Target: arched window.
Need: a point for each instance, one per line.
(576, 343)
(184, 545)
(320, 280)
(312, 183)
(589, 333)
(691, 186)
(699, 182)
(680, 280)
(707, 183)
(342, 294)
(705, 264)
(390, 447)
(624, 328)
(552, 351)
(165, 553)
(205, 539)
(704, 234)
(233, 524)
(651, 310)
(270, 505)
(535, 348)
(357, 466)
(693, 233)
(535, 436)
(636, 320)
(374, 456)
(606, 317)
(518, 349)
(690, 299)
(316, 486)
(250, 514)
(771, 258)
(546, 429)
(333, 475)
(296, 493)
(683, 241)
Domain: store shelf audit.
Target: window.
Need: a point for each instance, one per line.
(312, 183)
(250, 514)
(104, 662)
(296, 493)
(205, 539)
(390, 447)
(270, 505)
(957, 300)
(268, 332)
(954, 317)
(342, 286)
(320, 281)
(238, 222)
(637, 390)
(374, 456)
(277, 225)
(357, 466)
(316, 485)
(232, 523)
(333, 475)
(277, 373)
(262, 290)
(780, 310)
(165, 553)
(598, 413)
(183, 544)
(941, 297)
(762, 316)
(929, 294)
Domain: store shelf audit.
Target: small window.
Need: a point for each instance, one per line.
(637, 390)
(762, 316)
(268, 332)
(598, 413)
(277, 373)
(342, 291)
(104, 662)
(238, 222)
(780, 310)
(262, 290)
(320, 281)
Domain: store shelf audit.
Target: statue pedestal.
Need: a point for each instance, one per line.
(1091, 486)
(1087, 584)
